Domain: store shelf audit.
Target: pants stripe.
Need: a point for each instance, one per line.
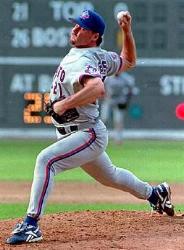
(58, 158)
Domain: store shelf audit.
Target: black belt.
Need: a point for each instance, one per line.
(68, 129)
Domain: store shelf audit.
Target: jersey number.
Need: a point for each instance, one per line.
(57, 85)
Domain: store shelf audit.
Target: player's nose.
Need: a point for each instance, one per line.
(76, 29)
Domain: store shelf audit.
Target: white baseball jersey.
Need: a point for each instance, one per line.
(80, 62)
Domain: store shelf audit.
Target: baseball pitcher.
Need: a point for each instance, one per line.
(82, 137)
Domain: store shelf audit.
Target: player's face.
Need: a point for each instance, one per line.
(82, 38)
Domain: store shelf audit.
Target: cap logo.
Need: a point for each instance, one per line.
(85, 15)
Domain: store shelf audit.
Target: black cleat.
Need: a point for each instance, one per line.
(163, 204)
(24, 233)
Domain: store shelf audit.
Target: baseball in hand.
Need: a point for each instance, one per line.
(120, 15)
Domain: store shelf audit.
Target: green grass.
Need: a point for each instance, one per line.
(11, 211)
(153, 161)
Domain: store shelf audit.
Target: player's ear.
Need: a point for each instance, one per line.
(95, 36)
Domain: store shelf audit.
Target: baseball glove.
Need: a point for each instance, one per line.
(67, 116)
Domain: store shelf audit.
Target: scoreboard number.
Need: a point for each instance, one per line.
(34, 108)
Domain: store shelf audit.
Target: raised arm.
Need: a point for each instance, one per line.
(128, 52)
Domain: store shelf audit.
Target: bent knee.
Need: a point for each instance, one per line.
(42, 158)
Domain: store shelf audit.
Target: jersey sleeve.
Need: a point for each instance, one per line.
(114, 62)
(86, 67)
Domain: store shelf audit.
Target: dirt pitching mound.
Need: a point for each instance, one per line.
(104, 230)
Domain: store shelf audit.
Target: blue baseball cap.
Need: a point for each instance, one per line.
(90, 20)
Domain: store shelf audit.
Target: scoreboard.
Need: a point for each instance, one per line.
(34, 38)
